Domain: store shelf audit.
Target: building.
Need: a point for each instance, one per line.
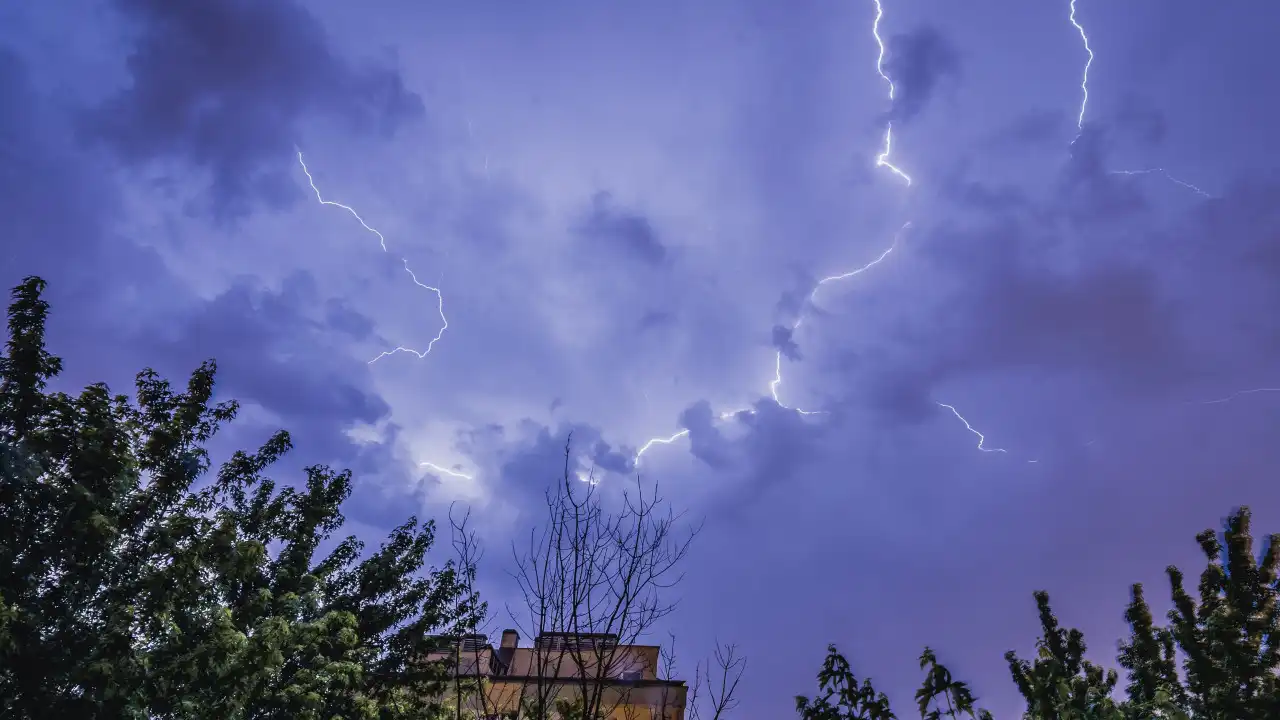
(621, 680)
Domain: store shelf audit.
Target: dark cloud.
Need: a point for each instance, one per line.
(341, 318)
(1137, 119)
(986, 199)
(533, 457)
(918, 61)
(49, 199)
(1038, 128)
(55, 203)
(225, 87)
(706, 442)
(1110, 318)
(655, 319)
(1082, 285)
(774, 449)
(1088, 191)
(782, 339)
(1110, 322)
(272, 351)
(1079, 284)
(903, 394)
(610, 228)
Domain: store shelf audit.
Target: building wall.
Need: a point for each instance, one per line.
(640, 702)
(470, 662)
(630, 662)
(632, 690)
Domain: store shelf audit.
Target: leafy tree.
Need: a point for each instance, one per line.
(1228, 639)
(1060, 684)
(843, 698)
(1149, 655)
(954, 694)
(126, 591)
(1231, 637)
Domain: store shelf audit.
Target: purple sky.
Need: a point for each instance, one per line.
(626, 206)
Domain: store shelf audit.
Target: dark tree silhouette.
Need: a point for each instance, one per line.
(947, 696)
(1228, 641)
(128, 591)
(842, 697)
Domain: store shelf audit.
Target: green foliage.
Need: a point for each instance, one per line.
(940, 689)
(127, 591)
(1228, 640)
(1231, 637)
(843, 698)
(1060, 683)
(1149, 656)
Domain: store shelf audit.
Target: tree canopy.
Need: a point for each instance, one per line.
(1217, 659)
(138, 581)
(135, 583)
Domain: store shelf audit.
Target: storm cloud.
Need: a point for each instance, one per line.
(227, 88)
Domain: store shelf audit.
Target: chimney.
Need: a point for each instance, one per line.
(510, 638)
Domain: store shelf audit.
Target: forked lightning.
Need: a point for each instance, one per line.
(382, 241)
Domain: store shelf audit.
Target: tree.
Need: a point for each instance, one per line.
(1149, 655)
(938, 683)
(1229, 640)
(1060, 684)
(842, 697)
(126, 591)
(713, 694)
(595, 576)
(1231, 637)
(720, 684)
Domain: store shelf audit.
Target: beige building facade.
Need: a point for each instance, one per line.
(621, 681)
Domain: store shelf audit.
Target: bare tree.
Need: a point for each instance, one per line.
(594, 581)
(470, 659)
(721, 684)
(714, 690)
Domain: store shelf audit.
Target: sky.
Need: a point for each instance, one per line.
(609, 220)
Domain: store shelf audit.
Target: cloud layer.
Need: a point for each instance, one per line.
(627, 210)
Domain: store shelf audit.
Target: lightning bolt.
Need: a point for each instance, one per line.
(777, 374)
(1084, 81)
(658, 441)
(882, 160)
(446, 471)
(1240, 393)
(382, 241)
(1084, 103)
(982, 439)
(1167, 175)
(776, 383)
(683, 433)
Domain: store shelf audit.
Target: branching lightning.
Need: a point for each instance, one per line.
(382, 241)
(657, 441)
(882, 160)
(1241, 393)
(1084, 103)
(1166, 174)
(1084, 81)
(446, 471)
(982, 439)
(777, 374)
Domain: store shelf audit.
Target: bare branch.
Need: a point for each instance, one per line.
(721, 683)
(596, 574)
